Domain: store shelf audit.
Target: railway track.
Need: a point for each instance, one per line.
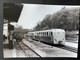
(69, 48)
(25, 47)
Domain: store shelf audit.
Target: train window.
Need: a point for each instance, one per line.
(39, 33)
(47, 33)
(43, 33)
(51, 34)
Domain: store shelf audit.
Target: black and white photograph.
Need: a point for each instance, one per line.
(40, 30)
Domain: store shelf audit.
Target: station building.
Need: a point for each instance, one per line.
(11, 13)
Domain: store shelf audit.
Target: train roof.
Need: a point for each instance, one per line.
(51, 30)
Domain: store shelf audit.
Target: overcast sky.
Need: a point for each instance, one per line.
(33, 13)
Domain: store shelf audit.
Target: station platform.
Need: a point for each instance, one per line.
(42, 49)
(8, 53)
(11, 53)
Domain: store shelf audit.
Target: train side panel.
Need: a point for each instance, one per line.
(54, 36)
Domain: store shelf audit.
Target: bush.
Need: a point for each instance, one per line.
(18, 36)
(70, 36)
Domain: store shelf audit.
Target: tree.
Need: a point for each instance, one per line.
(66, 18)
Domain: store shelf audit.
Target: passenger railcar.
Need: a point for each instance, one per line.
(53, 36)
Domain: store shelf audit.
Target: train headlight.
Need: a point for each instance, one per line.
(60, 42)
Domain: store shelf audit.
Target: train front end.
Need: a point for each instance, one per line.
(59, 36)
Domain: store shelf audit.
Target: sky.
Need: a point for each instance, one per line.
(32, 14)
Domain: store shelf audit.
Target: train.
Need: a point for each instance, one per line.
(52, 36)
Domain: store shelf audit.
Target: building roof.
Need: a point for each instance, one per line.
(12, 11)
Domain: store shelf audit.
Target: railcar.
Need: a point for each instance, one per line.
(53, 36)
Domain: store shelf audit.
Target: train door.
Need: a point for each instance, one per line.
(51, 37)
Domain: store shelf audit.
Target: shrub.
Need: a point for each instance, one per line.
(18, 36)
